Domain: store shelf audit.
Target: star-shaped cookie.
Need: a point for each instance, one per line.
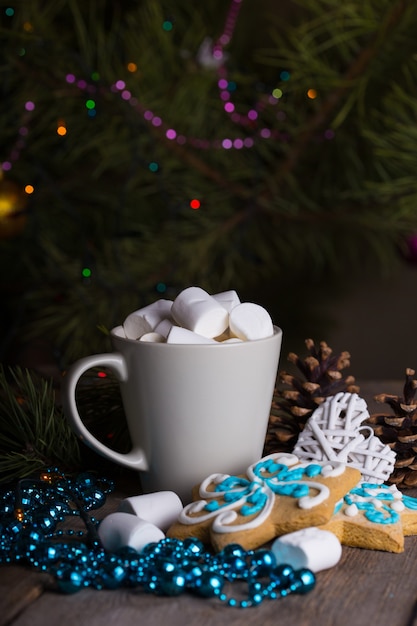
(374, 516)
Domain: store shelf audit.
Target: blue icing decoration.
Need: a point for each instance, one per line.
(313, 470)
(254, 497)
(271, 466)
(232, 481)
(278, 477)
(383, 492)
(256, 501)
(212, 506)
(232, 496)
(410, 503)
(385, 515)
(297, 490)
(377, 515)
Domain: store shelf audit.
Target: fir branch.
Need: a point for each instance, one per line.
(357, 68)
(192, 159)
(33, 431)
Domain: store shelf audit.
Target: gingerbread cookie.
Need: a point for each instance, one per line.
(374, 516)
(278, 495)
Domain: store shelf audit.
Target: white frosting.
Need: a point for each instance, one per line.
(351, 510)
(398, 505)
(333, 469)
(222, 523)
(308, 502)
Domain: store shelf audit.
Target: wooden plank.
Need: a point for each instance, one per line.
(365, 588)
(19, 588)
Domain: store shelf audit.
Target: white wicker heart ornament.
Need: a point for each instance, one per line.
(334, 432)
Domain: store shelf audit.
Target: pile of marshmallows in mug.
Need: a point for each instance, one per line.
(195, 316)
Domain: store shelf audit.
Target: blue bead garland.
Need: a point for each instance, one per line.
(30, 515)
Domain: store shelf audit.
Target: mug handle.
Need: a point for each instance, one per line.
(135, 459)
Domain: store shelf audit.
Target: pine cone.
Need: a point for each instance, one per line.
(295, 398)
(399, 431)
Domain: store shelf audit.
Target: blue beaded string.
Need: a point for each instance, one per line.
(31, 513)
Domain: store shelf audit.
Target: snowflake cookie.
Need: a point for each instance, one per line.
(279, 494)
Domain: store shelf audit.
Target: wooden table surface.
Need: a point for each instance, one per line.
(366, 588)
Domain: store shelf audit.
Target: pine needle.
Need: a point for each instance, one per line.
(33, 431)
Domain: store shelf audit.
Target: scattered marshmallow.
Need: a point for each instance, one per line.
(120, 530)
(161, 508)
(250, 321)
(312, 548)
(178, 334)
(228, 299)
(153, 338)
(199, 312)
(145, 320)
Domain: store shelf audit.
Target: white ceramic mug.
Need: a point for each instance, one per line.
(191, 409)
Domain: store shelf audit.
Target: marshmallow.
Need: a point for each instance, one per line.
(199, 312)
(164, 327)
(120, 530)
(224, 336)
(228, 299)
(312, 548)
(145, 320)
(153, 338)
(135, 326)
(232, 340)
(182, 335)
(161, 508)
(119, 332)
(250, 321)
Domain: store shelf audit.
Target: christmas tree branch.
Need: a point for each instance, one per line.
(317, 121)
(263, 200)
(198, 164)
(33, 431)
